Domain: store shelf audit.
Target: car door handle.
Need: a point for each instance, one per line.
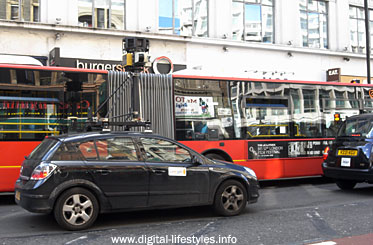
(159, 171)
(102, 171)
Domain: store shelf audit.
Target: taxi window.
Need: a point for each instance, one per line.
(120, 148)
(357, 127)
(159, 150)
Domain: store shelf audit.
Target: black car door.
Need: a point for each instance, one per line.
(117, 170)
(174, 180)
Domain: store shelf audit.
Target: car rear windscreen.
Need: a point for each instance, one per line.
(357, 127)
(39, 152)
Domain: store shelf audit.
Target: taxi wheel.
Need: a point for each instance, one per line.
(230, 198)
(346, 184)
(76, 209)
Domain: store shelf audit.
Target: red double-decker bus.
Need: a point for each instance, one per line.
(37, 101)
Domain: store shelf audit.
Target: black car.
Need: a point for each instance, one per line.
(78, 176)
(349, 159)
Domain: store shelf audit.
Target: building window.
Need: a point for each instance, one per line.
(85, 13)
(252, 20)
(101, 13)
(117, 11)
(183, 17)
(314, 24)
(101, 17)
(357, 29)
(35, 13)
(20, 10)
(30, 10)
(14, 12)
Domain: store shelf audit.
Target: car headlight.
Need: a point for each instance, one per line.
(250, 171)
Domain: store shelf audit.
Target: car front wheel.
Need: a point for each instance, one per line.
(345, 184)
(230, 198)
(76, 209)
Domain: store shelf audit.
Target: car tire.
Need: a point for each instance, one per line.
(230, 198)
(346, 184)
(215, 156)
(76, 209)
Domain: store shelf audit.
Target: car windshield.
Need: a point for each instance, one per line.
(39, 152)
(357, 127)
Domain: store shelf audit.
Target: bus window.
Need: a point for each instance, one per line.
(4, 75)
(367, 104)
(38, 103)
(343, 107)
(267, 117)
(307, 117)
(203, 110)
(309, 100)
(28, 118)
(25, 77)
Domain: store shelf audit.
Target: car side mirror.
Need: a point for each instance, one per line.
(197, 160)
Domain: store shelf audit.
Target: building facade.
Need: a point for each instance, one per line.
(277, 39)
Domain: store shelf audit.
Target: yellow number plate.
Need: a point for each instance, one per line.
(18, 195)
(347, 152)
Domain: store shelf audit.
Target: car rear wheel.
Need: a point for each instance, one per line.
(230, 198)
(346, 184)
(76, 209)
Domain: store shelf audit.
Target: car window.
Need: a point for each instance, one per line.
(39, 152)
(159, 150)
(67, 152)
(88, 150)
(120, 148)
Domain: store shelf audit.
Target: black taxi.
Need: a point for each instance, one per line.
(349, 159)
(79, 176)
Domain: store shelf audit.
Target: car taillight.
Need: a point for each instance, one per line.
(326, 152)
(42, 171)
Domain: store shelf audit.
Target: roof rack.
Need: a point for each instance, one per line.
(104, 125)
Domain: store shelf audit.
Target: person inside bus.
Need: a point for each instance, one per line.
(200, 129)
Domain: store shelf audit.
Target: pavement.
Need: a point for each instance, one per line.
(366, 239)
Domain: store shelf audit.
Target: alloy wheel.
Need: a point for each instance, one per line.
(77, 209)
(232, 198)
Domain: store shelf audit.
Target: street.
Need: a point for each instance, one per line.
(299, 211)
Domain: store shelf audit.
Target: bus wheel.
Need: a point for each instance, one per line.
(230, 198)
(345, 184)
(76, 209)
(215, 156)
